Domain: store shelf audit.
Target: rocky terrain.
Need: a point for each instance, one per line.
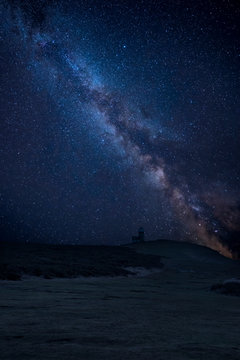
(170, 313)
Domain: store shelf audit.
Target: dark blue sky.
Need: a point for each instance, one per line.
(120, 114)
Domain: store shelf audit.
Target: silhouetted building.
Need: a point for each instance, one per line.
(140, 237)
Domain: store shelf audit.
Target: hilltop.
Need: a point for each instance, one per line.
(168, 314)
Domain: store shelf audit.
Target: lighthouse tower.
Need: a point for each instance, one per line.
(140, 237)
(141, 234)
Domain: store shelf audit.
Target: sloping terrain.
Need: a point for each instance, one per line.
(65, 261)
(183, 256)
(168, 315)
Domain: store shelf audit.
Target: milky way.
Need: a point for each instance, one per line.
(103, 133)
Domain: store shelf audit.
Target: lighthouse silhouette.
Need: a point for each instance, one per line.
(140, 237)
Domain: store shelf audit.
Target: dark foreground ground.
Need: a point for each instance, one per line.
(167, 314)
(18, 260)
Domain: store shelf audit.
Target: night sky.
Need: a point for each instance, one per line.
(120, 114)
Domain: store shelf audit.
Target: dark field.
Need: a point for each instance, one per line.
(56, 261)
(169, 314)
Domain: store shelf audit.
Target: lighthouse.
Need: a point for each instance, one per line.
(141, 234)
(140, 237)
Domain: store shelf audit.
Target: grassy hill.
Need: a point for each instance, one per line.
(170, 314)
(60, 261)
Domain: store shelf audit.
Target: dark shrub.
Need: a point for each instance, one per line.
(230, 287)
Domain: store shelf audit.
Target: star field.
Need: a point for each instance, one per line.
(117, 115)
